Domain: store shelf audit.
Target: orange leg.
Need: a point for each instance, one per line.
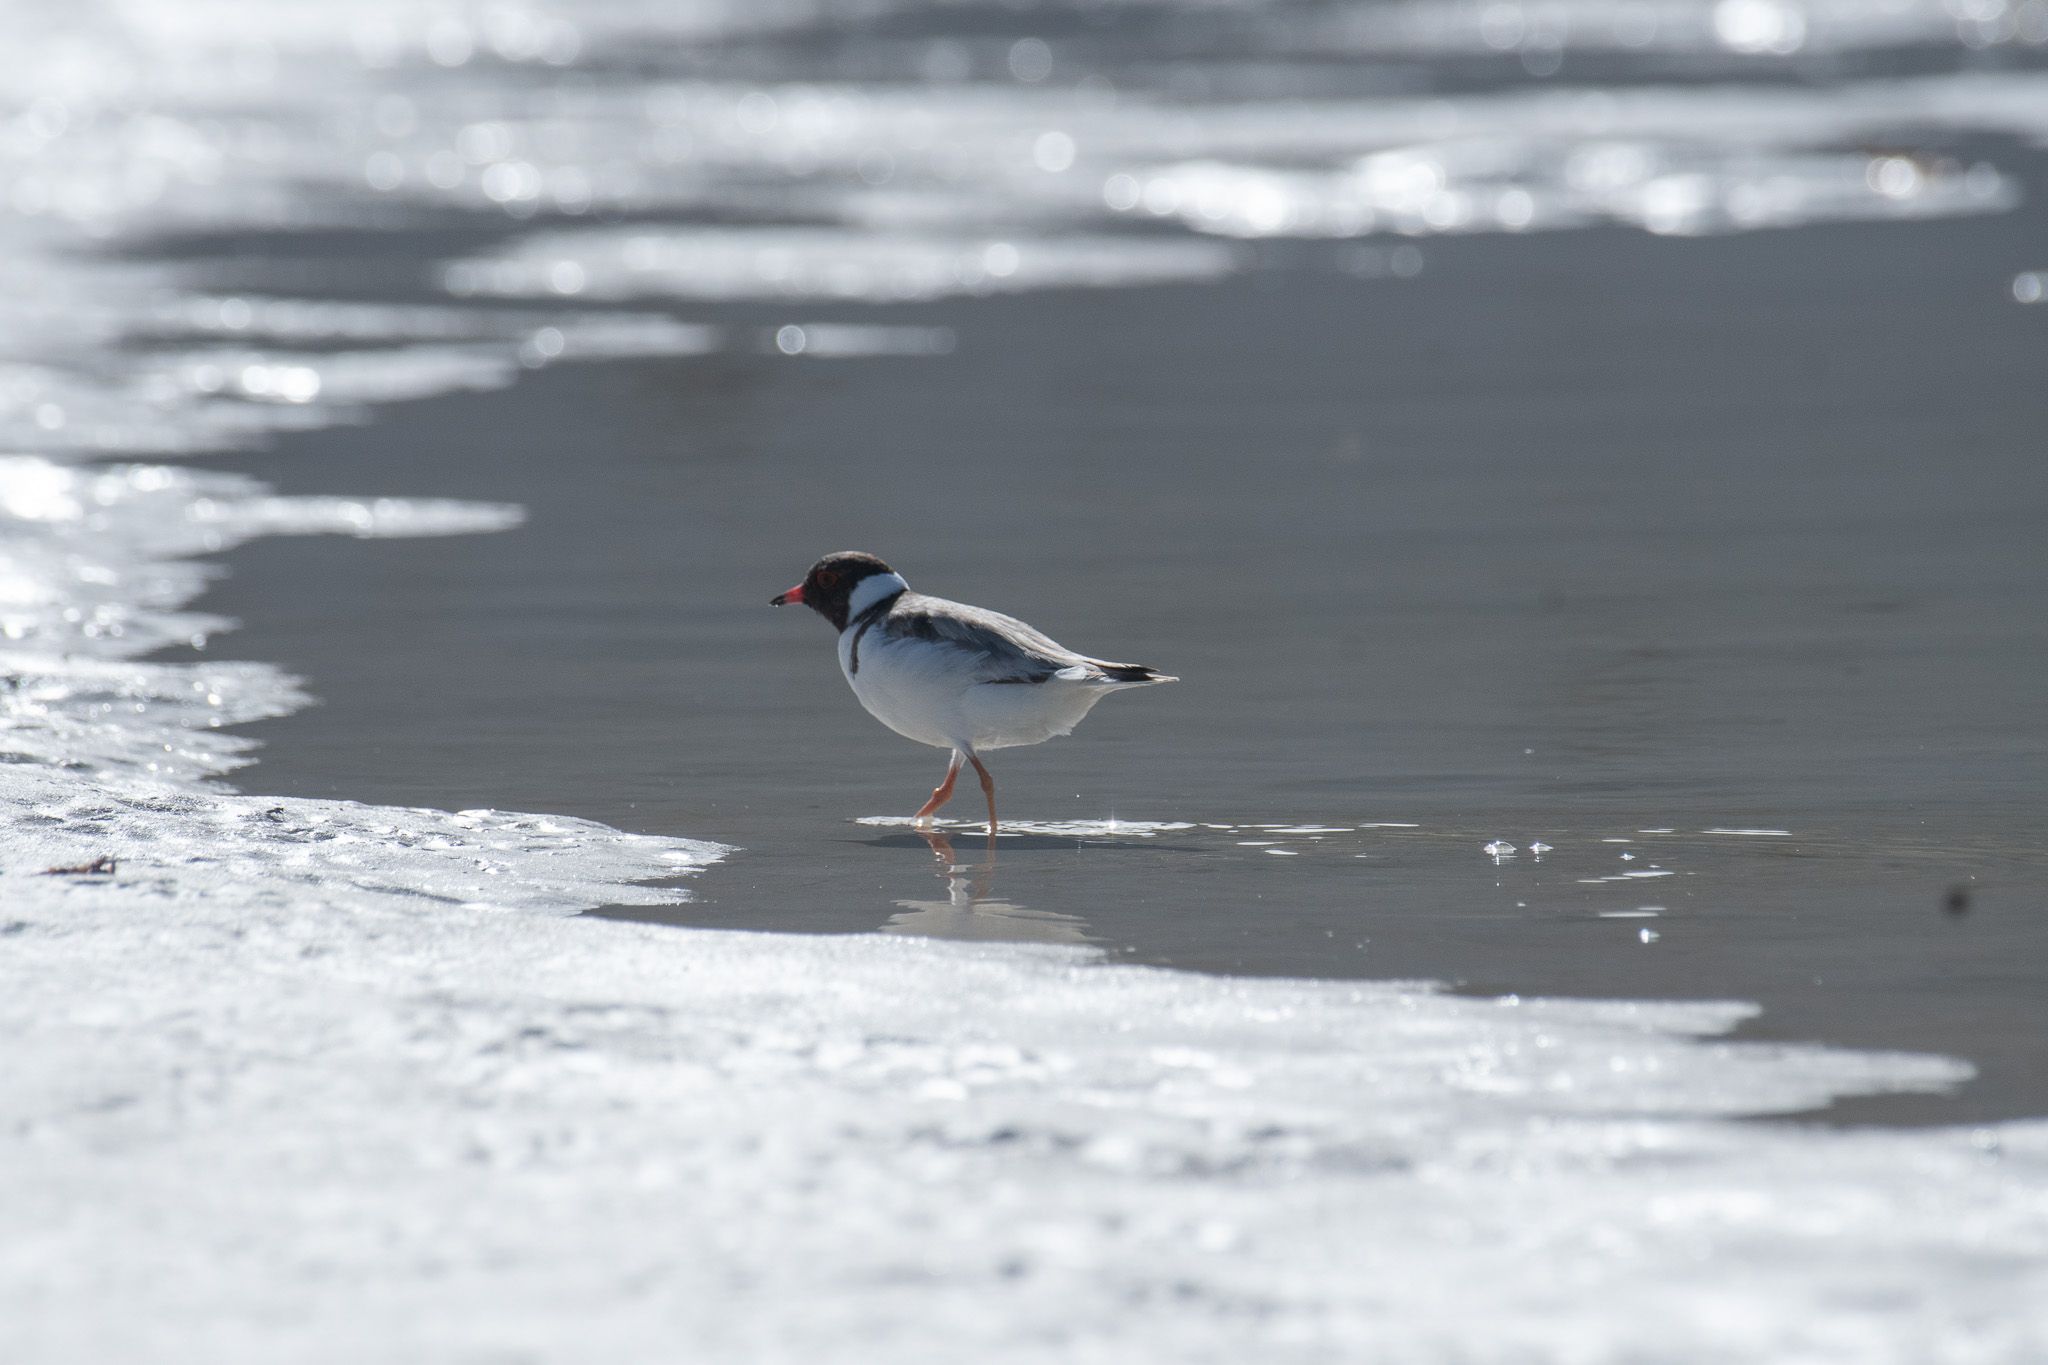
(942, 793)
(988, 789)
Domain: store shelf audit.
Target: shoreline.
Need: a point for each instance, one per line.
(511, 717)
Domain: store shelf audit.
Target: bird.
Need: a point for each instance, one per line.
(953, 676)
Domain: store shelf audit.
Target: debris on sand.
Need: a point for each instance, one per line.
(103, 866)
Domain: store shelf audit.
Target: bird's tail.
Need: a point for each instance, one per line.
(1132, 674)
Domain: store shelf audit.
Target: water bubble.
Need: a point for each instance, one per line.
(510, 181)
(1054, 152)
(445, 170)
(1030, 60)
(1161, 196)
(1001, 259)
(757, 112)
(384, 171)
(479, 143)
(561, 44)
(1759, 26)
(875, 167)
(1501, 27)
(946, 62)
(1895, 177)
(280, 383)
(565, 277)
(450, 43)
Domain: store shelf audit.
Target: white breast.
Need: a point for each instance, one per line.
(916, 688)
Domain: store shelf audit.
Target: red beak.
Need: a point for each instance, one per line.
(783, 599)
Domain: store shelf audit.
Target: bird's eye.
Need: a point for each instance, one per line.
(829, 579)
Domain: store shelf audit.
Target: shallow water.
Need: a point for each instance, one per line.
(1668, 548)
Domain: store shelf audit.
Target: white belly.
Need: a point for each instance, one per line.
(1005, 715)
(908, 689)
(927, 695)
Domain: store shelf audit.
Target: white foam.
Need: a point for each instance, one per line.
(1755, 29)
(837, 340)
(854, 264)
(1671, 161)
(466, 1128)
(1077, 829)
(95, 573)
(176, 847)
(957, 217)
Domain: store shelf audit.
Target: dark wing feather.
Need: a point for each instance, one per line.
(1006, 650)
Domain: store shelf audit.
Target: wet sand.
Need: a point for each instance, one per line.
(1564, 539)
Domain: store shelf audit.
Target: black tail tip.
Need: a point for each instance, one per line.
(1135, 673)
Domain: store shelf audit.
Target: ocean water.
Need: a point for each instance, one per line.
(1601, 429)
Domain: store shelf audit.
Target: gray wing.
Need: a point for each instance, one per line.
(1005, 650)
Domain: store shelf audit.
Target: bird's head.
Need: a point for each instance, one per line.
(840, 587)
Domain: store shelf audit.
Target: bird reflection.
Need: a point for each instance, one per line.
(971, 911)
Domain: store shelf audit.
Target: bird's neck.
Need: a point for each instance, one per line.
(872, 591)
